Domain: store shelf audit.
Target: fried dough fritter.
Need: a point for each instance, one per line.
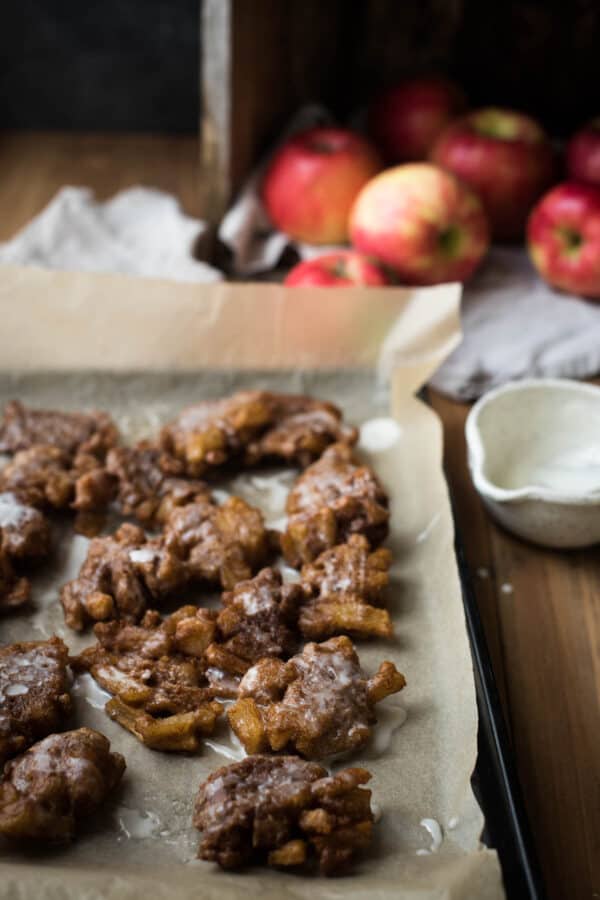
(23, 426)
(211, 433)
(334, 498)
(283, 811)
(156, 675)
(344, 586)
(57, 782)
(301, 428)
(150, 482)
(48, 478)
(319, 703)
(219, 544)
(258, 620)
(24, 529)
(119, 577)
(34, 693)
(251, 427)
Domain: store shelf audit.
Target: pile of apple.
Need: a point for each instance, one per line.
(457, 180)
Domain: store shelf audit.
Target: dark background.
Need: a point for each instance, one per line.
(99, 64)
(133, 64)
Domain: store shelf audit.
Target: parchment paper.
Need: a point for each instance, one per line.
(145, 349)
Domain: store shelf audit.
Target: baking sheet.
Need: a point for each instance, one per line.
(420, 770)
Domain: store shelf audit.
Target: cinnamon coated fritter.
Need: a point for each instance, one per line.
(48, 478)
(156, 675)
(22, 427)
(301, 428)
(150, 482)
(285, 812)
(251, 427)
(332, 499)
(55, 784)
(319, 703)
(120, 575)
(258, 620)
(25, 531)
(219, 544)
(345, 586)
(211, 433)
(34, 693)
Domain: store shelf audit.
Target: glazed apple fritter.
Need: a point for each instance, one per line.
(24, 529)
(22, 427)
(48, 478)
(252, 427)
(150, 482)
(24, 538)
(219, 544)
(285, 812)
(119, 577)
(332, 499)
(55, 784)
(301, 428)
(156, 675)
(211, 433)
(319, 703)
(258, 620)
(34, 693)
(345, 586)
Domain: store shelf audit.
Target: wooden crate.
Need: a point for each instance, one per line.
(261, 59)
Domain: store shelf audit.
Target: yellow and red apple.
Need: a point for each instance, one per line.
(404, 121)
(505, 157)
(312, 181)
(563, 236)
(583, 154)
(337, 268)
(422, 222)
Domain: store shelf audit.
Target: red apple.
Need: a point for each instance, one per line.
(422, 222)
(313, 180)
(503, 155)
(583, 154)
(563, 235)
(340, 267)
(404, 121)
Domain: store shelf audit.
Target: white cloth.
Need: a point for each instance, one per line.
(516, 326)
(140, 231)
(256, 246)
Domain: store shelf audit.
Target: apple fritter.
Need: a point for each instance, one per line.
(252, 427)
(285, 812)
(334, 498)
(258, 620)
(220, 544)
(150, 482)
(25, 530)
(22, 427)
(57, 783)
(301, 428)
(48, 478)
(344, 586)
(155, 673)
(211, 433)
(34, 693)
(319, 703)
(119, 577)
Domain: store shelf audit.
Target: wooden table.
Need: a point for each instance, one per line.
(541, 609)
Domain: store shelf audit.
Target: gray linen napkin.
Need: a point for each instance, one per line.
(516, 326)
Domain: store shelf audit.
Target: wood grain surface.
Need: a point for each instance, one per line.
(541, 609)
